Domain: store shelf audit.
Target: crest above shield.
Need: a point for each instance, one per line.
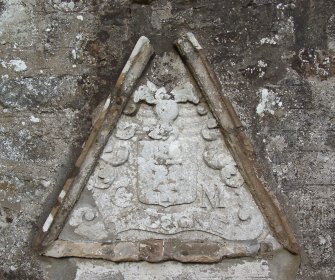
(166, 173)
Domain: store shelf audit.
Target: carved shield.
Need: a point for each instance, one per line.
(167, 172)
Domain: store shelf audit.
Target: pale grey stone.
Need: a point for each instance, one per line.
(244, 270)
(166, 179)
(202, 109)
(125, 131)
(185, 93)
(212, 123)
(118, 156)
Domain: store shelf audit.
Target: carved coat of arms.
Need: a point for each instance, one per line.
(161, 182)
(167, 167)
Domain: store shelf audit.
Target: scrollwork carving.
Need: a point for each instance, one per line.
(244, 214)
(209, 131)
(209, 134)
(160, 132)
(81, 215)
(86, 223)
(107, 175)
(202, 109)
(125, 131)
(131, 108)
(212, 123)
(122, 195)
(213, 157)
(118, 155)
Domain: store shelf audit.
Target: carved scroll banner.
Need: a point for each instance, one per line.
(166, 173)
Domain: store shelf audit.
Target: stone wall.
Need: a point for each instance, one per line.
(60, 59)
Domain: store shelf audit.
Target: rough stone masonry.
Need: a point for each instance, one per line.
(59, 60)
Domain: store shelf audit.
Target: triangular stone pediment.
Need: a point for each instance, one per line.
(166, 173)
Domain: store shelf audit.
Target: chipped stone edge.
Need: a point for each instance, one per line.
(154, 250)
(101, 130)
(236, 140)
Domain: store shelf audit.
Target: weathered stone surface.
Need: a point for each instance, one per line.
(103, 125)
(156, 250)
(250, 44)
(172, 270)
(158, 177)
(122, 251)
(46, 92)
(239, 145)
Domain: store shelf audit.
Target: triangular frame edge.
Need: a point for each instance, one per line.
(101, 129)
(192, 54)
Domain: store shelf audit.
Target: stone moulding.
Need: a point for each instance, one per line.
(236, 140)
(156, 250)
(97, 139)
(153, 251)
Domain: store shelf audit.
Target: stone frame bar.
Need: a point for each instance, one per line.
(236, 140)
(101, 130)
(154, 250)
